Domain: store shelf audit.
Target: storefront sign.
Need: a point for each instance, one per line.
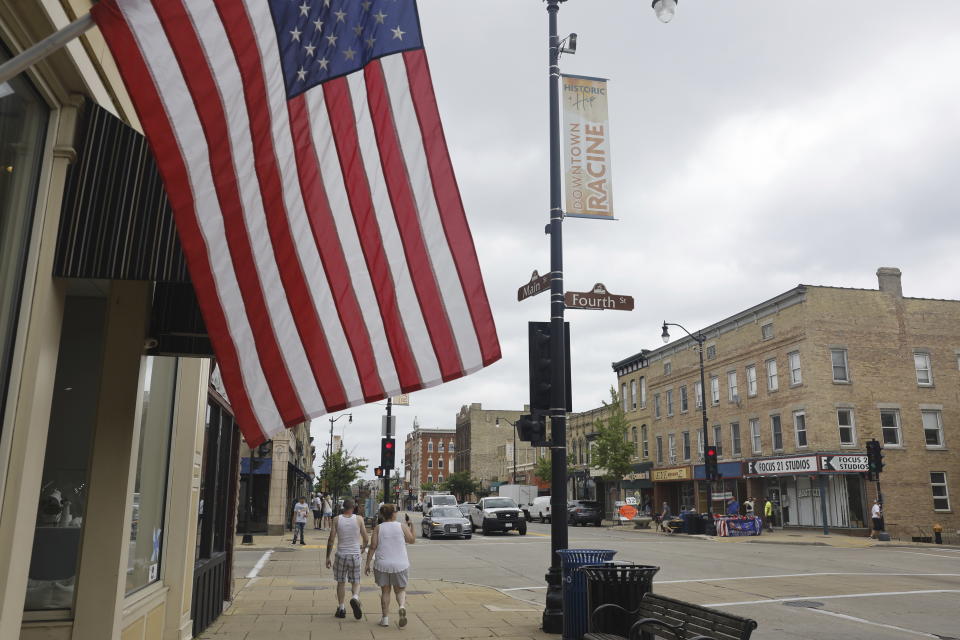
(853, 463)
(586, 136)
(781, 466)
(642, 475)
(672, 475)
(808, 493)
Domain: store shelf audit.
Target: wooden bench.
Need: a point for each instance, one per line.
(662, 617)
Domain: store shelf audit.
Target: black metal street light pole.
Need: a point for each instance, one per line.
(330, 454)
(699, 339)
(514, 425)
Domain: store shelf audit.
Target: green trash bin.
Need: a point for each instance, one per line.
(575, 614)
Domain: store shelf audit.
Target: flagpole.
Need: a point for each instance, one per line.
(45, 47)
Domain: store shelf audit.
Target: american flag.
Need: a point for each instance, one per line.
(302, 151)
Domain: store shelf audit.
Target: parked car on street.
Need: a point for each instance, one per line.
(438, 500)
(540, 509)
(584, 512)
(465, 508)
(498, 513)
(446, 522)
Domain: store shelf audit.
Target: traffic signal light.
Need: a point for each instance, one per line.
(532, 428)
(388, 452)
(710, 463)
(874, 458)
(378, 471)
(541, 367)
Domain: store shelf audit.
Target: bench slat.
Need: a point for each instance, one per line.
(696, 620)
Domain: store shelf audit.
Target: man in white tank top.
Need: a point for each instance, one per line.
(350, 535)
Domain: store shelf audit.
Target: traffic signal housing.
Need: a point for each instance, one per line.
(710, 463)
(541, 367)
(388, 452)
(532, 428)
(874, 458)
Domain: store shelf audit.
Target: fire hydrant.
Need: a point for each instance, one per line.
(937, 531)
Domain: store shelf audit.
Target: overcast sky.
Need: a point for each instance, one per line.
(756, 145)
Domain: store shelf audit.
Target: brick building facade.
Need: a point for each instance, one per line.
(795, 388)
(480, 443)
(429, 456)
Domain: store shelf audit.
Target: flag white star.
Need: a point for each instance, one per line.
(318, 23)
(341, 15)
(358, 30)
(304, 9)
(295, 34)
(398, 33)
(301, 74)
(310, 48)
(371, 41)
(332, 39)
(366, 5)
(349, 54)
(380, 17)
(323, 62)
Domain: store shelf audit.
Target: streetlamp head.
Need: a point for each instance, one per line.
(497, 423)
(350, 418)
(666, 334)
(665, 9)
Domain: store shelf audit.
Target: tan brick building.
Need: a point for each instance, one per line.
(429, 456)
(796, 386)
(480, 443)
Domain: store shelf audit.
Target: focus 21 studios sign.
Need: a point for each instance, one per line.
(845, 463)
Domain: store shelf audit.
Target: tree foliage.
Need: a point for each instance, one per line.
(612, 452)
(340, 470)
(544, 469)
(460, 484)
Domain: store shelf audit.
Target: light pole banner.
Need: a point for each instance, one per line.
(586, 134)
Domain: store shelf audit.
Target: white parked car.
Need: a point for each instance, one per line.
(498, 513)
(540, 509)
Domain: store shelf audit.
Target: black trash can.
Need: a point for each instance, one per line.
(709, 525)
(575, 615)
(620, 583)
(692, 523)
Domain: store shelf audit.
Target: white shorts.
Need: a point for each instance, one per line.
(392, 579)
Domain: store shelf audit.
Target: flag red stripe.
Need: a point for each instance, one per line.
(405, 211)
(340, 108)
(451, 206)
(163, 142)
(199, 79)
(331, 252)
(244, 45)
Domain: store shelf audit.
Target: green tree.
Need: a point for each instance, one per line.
(340, 470)
(428, 486)
(612, 453)
(460, 484)
(544, 469)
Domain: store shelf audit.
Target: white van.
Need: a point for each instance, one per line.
(438, 499)
(540, 509)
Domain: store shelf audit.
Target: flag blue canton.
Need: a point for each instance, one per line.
(323, 39)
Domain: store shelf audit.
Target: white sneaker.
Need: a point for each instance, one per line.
(384, 622)
(403, 617)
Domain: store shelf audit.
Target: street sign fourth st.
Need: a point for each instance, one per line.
(598, 299)
(537, 284)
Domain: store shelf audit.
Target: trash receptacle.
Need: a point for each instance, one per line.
(575, 615)
(620, 583)
(691, 522)
(709, 525)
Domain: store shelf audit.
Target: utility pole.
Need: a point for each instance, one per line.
(387, 434)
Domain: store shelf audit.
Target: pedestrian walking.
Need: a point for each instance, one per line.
(733, 507)
(876, 515)
(350, 535)
(388, 552)
(327, 511)
(316, 505)
(768, 514)
(300, 511)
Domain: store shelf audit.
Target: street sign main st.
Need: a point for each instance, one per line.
(537, 284)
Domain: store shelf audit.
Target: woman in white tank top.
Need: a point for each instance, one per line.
(388, 552)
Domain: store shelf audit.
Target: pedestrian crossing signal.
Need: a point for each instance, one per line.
(378, 471)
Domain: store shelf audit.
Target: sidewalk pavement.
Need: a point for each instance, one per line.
(294, 597)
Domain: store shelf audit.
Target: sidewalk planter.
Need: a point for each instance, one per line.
(575, 614)
(619, 583)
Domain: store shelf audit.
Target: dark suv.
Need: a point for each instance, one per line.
(584, 512)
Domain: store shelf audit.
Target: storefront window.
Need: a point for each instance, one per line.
(62, 501)
(23, 123)
(150, 486)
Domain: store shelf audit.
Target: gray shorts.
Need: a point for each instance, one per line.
(385, 579)
(346, 568)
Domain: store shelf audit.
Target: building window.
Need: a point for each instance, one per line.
(777, 432)
(633, 394)
(714, 390)
(766, 331)
(450, 447)
(643, 392)
(839, 359)
(755, 435)
(921, 361)
(941, 497)
(772, 382)
(890, 424)
(669, 402)
(430, 479)
(686, 445)
(440, 447)
(718, 439)
(656, 405)
(644, 441)
(667, 368)
(800, 427)
(735, 438)
(440, 478)
(440, 463)
(845, 424)
(636, 443)
(932, 428)
(660, 449)
(683, 399)
(793, 361)
(732, 394)
(672, 447)
(711, 352)
(751, 381)
(430, 446)
(623, 396)
(429, 463)
(700, 443)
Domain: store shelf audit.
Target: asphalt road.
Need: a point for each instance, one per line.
(793, 591)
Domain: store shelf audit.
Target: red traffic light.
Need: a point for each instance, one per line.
(711, 452)
(388, 444)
